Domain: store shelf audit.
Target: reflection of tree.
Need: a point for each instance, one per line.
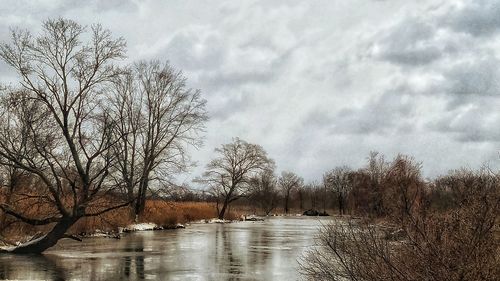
(134, 262)
(126, 266)
(261, 239)
(225, 257)
(30, 267)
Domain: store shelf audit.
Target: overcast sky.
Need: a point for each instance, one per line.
(319, 83)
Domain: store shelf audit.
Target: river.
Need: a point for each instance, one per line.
(267, 250)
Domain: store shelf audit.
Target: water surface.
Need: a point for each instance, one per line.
(238, 251)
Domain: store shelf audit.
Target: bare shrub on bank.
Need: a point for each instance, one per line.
(417, 242)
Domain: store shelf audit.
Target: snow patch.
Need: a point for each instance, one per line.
(140, 227)
(145, 226)
(252, 218)
(21, 244)
(214, 220)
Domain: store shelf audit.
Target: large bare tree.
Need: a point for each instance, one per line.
(289, 181)
(229, 175)
(158, 117)
(56, 127)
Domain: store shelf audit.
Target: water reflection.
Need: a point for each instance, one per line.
(239, 251)
(29, 267)
(133, 266)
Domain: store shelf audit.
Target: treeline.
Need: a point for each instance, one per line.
(371, 190)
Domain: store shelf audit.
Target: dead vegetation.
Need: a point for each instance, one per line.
(420, 238)
(161, 212)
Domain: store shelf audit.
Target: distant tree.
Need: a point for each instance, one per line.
(158, 117)
(339, 182)
(56, 127)
(264, 191)
(403, 187)
(376, 170)
(361, 197)
(301, 192)
(316, 192)
(288, 181)
(229, 175)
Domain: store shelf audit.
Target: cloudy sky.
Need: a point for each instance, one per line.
(319, 83)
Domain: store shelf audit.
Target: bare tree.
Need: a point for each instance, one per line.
(229, 174)
(376, 170)
(264, 191)
(159, 116)
(289, 181)
(56, 127)
(301, 192)
(338, 181)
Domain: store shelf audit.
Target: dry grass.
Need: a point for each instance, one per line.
(163, 213)
(169, 213)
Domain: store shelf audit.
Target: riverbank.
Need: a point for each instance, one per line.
(157, 214)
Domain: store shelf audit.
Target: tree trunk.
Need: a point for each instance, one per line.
(223, 210)
(341, 205)
(286, 203)
(300, 201)
(130, 192)
(217, 206)
(41, 244)
(140, 202)
(324, 202)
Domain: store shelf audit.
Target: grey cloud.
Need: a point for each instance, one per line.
(197, 48)
(222, 80)
(478, 77)
(467, 82)
(443, 30)
(388, 114)
(235, 77)
(321, 84)
(224, 109)
(385, 114)
(410, 42)
(475, 17)
(471, 124)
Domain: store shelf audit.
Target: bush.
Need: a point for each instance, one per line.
(417, 243)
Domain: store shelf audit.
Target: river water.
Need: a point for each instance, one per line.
(267, 250)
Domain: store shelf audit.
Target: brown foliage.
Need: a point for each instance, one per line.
(157, 211)
(418, 240)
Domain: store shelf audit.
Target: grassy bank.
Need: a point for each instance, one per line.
(160, 212)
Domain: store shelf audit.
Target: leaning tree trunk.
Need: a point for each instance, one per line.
(223, 210)
(48, 240)
(227, 200)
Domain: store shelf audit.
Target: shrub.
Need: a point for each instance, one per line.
(417, 243)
